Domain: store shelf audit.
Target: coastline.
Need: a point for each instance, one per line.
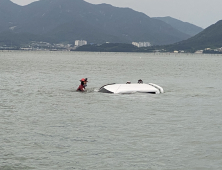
(72, 51)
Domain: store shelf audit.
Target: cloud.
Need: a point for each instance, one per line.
(23, 2)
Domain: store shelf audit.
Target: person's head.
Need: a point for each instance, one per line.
(140, 81)
(83, 81)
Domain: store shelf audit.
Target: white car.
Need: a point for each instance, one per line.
(131, 88)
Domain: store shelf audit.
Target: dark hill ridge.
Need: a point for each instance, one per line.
(8, 12)
(184, 27)
(211, 37)
(68, 20)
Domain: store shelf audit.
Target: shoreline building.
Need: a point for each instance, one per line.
(141, 44)
(80, 42)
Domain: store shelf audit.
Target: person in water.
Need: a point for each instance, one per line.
(83, 85)
(140, 81)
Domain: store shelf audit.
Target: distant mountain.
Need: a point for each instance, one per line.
(8, 14)
(211, 37)
(68, 20)
(109, 47)
(184, 27)
(19, 39)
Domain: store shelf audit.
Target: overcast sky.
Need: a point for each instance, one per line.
(199, 12)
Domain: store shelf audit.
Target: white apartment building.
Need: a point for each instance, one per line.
(141, 44)
(80, 42)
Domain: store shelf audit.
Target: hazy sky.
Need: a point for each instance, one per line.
(199, 12)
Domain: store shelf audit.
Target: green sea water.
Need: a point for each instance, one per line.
(46, 125)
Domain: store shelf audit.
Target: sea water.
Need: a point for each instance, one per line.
(46, 125)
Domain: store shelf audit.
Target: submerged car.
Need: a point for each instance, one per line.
(131, 88)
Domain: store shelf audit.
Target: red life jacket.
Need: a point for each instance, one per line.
(81, 88)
